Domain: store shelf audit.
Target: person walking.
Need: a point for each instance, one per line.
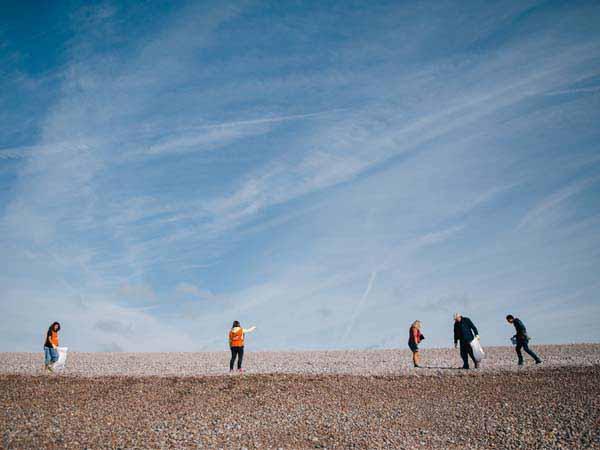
(522, 340)
(236, 344)
(51, 346)
(414, 338)
(464, 332)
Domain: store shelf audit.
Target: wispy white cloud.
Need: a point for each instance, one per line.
(537, 214)
(193, 291)
(285, 169)
(362, 141)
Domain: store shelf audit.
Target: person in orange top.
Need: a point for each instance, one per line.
(414, 338)
(51, 346)
(236, 344)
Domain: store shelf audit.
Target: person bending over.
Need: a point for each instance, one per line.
(414, 338)
(236, 344)
(464, 332)
(522, 340)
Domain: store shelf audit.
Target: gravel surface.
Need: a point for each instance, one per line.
(550, 408)
(356, 362)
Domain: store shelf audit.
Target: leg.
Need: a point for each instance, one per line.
(464, 354)
(415, 353)
(531, 352)
(240, 357)
(470, 352)
(54, 355)
(233, 355)
(47, 356)
(518, 350)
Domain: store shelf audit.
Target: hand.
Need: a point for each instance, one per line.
(477, 337)
(456, 345)
(422, 337)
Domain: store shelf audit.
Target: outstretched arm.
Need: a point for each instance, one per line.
(249, 330)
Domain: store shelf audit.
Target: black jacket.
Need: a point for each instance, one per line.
(521, 330)
(464, 330)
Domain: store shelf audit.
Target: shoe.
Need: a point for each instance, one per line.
(519, 364)
(477, 365)
(539, 361)
(465, 367)
(240, 370)
(417, 366)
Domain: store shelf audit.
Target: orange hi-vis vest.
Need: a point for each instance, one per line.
(236, 337)
(54, 338)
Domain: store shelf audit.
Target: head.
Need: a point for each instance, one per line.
(55, 326)
(510, 319)
(235, 324)
(416, 324)
(457, 317)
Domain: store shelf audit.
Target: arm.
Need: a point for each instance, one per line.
(474, 328)
(455, 333)
(520, 328)
(415, 335)
(249, 330)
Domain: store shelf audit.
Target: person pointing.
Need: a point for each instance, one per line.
(236, 344)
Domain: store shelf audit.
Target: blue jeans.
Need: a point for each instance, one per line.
(50, 355)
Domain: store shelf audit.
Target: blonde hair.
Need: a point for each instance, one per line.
(416, 324)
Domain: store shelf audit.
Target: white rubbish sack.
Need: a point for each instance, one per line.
(62, 358)
(477, 350)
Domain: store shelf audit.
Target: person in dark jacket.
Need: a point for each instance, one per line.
(464, 332)
(522, 340)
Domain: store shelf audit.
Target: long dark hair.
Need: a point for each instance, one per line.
(235, 324)
(52, 327)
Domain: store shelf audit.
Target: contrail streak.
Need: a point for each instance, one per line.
(268, 119)
(361, 302)
(58, 147)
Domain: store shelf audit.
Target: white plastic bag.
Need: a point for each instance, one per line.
(477, 350)
(62, 358)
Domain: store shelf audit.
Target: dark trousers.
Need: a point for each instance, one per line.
(522, 344)
(465, 351)
(239, 353)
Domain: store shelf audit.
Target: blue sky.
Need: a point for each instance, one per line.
(329, 171)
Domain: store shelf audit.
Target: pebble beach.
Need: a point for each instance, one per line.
(321, 399)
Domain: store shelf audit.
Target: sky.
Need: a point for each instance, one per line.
(329, 171)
